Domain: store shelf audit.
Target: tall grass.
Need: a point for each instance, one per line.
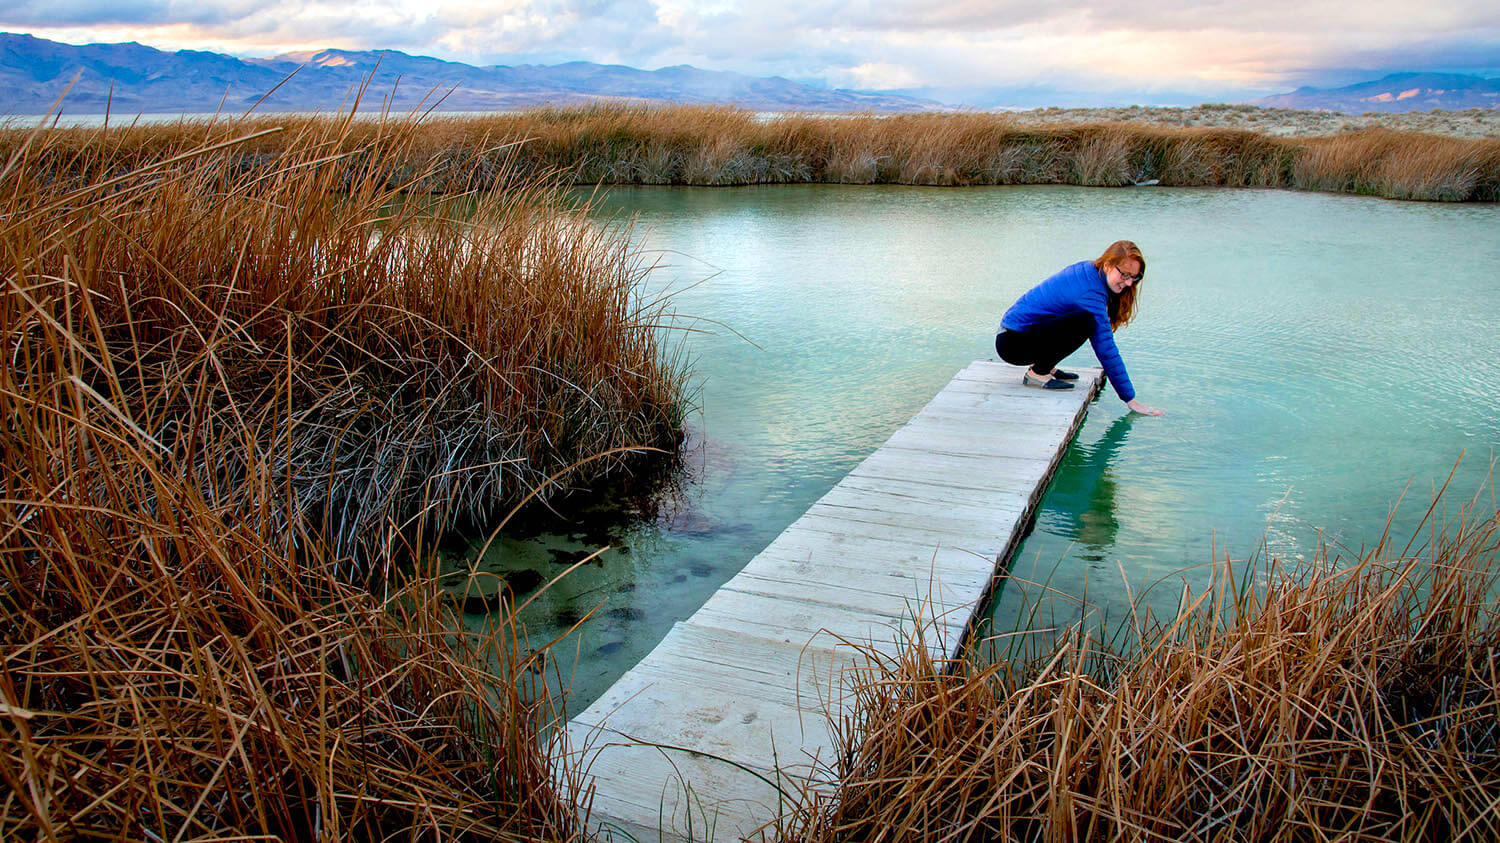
(1355, 702)
(231, 375)
(172, 672)
(403, 358)
(696, 145)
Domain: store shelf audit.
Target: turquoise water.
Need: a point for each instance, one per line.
(1315, 355)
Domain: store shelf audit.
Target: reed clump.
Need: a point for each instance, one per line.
(707, 145)
(1319, 702)
(238, 371)
(405, 357)
(171, 671)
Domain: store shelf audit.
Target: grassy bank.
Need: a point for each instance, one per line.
(725, 146)
(171, 672)
(405, 358)
(1285, 122)
(1352, 702)
(233, 377)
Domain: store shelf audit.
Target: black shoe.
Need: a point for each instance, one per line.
(1044, 383)
(1067, 376)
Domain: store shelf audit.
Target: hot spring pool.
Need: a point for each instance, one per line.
(1316, 355)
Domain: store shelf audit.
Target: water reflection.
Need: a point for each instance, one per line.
(862, 302)
(1084, 491)
(1035, 600)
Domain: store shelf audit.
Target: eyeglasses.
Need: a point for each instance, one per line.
(1125, 276)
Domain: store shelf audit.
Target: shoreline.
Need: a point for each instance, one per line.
(1466, 124)
(190, 651)
(718, 146)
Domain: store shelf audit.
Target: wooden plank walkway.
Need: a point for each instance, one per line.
(702, 738)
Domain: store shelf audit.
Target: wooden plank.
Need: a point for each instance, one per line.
(645, 788)
(998, 474)
(984, 467)
(891, 598)
(936, 437)
(1042, 433)
(997, 408)
(709, 735)
(1053, 397)
(806, 571)
(1019, 398)
(652, 707)
(806, 575)
(717, 660)
(867, 523)
(799, 622)
(918, 557)
(945, 436)
(939, 492)
(1015, 417)
(766, 670)
(947, 520)
(945, 604)
(942, 525)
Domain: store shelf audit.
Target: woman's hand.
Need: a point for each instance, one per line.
(1138, 407)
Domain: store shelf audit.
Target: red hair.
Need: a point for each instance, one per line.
(1122, 304)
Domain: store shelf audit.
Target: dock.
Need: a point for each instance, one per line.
(717, 730)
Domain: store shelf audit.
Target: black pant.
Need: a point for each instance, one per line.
(1044, 344)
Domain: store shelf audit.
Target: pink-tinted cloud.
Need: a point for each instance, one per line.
(1223, 49)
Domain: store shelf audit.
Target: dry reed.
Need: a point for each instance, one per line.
(170, 672)
(1322, 702)
(697, 145)
(400, 355)
(230, 375)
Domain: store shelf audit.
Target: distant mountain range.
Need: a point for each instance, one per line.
(1396, 92)
(134, 78)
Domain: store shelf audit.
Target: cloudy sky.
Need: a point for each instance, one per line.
(1121, 50)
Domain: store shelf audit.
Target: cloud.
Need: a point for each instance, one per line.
(1329, 18)
(59, 13)
(597, 30)
(1222, 48)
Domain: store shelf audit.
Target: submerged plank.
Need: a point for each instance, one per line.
(716, 732)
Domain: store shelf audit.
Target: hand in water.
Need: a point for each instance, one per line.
(1138, 407)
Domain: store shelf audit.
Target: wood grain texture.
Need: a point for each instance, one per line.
(711, 734)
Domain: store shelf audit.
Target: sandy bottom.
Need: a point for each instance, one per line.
(1285, 122)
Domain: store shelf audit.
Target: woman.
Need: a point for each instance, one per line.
(1089, 300)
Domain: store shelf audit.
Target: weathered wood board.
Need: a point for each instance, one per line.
(736, 710)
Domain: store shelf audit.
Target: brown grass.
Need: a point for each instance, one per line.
(697, 145)
(230, 376)
(172, 673)
(401, 355)
(1356, 702)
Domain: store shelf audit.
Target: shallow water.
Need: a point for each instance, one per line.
(1315, 354)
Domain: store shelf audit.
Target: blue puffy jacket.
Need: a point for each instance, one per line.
(1077, 287)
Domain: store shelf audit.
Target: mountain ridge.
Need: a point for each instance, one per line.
(1395, 92)
(132, 77)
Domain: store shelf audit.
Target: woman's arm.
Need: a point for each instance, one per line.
(1103, 342)
(1136, 406)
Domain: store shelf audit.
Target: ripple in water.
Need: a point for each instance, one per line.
(1315, 353)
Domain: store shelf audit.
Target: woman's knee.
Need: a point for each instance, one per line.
(1011, 349)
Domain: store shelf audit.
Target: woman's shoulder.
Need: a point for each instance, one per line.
(1073, 272)
(1082, 274)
